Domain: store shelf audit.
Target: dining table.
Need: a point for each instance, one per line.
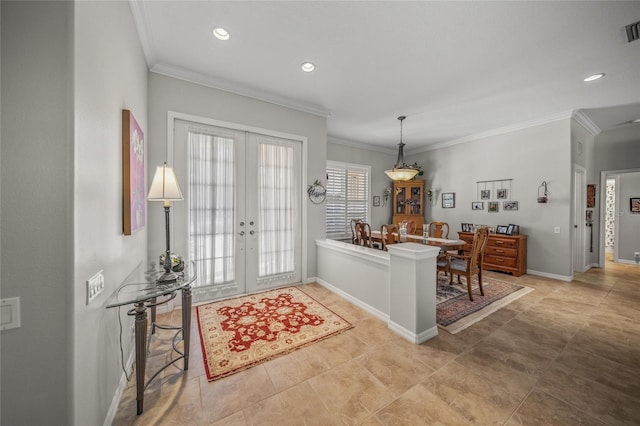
(444, 243)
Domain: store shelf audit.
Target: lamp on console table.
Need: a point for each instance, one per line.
(164, 187)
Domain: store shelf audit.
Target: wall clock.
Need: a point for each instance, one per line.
(317, 192)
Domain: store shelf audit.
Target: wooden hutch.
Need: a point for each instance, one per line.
(408, 202)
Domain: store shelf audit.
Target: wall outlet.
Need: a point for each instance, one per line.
(95, 286)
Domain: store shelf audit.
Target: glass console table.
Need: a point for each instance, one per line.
(148, 294)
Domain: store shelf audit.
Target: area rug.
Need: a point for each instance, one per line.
(239, 333)
(454, 310)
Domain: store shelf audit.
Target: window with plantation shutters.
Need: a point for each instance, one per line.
(347, 196)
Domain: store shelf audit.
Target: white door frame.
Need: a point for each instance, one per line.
(172, 116)
(579, 219)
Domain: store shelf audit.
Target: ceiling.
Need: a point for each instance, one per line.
(457, 70)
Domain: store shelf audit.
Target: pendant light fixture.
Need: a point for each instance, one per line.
(400, 170)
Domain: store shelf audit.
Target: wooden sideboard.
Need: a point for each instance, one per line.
(505, 253)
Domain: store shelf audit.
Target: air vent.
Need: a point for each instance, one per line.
(633, 31)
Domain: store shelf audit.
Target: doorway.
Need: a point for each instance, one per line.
(579, 219)
(240, 220)
(610, 220)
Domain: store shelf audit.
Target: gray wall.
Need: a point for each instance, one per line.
(170, 94)
(615, 150)
(110, 75)
(379, 162)
(37, 211)
(528, 156)
(628, 223)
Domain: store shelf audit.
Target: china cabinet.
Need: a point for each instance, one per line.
(408, 202)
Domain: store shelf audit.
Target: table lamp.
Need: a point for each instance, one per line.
(164, 187)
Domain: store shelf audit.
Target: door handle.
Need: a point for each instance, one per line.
(241, 233)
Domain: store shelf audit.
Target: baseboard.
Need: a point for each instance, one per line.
(627, 262)
(310, 280)
(553, 276)
(115, 402)
(370, 309)
(411, 336)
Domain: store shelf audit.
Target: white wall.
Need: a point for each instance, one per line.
(37, 211)
(170, 94)
(110, 75)
(528, 156)
(615, 150)
(379, 162)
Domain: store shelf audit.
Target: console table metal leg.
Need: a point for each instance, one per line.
(141, 352)
(186, 323)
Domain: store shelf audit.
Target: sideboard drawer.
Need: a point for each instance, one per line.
(502, 242)
(500, 251)
(509, 262)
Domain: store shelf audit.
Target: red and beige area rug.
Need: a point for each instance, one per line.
(454, 310)
(239, 333)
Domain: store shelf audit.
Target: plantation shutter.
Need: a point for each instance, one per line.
(347, 196)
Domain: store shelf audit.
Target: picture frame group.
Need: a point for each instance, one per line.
(467, 227)
(510, 229)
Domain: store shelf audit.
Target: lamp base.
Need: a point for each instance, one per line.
(167, 278)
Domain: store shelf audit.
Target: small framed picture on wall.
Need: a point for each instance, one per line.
(493, 206)
(448, 200)
(634, 205)
(477, 205)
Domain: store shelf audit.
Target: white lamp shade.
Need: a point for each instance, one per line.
(402, 174)
(164, 186)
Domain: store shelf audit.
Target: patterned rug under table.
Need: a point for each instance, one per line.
(454, 310)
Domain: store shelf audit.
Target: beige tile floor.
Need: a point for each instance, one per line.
(565, 354)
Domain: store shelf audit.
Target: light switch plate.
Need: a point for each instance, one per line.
(10, 313)
(95, 286)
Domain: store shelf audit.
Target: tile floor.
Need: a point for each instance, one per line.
(565, 354)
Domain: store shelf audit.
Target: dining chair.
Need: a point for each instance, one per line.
(352, 226)
(363, 234)
(389, 234)
(471, 264)
(411, 227)
(438, 229)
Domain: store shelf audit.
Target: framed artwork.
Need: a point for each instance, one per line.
(591, 196)
(502, 229)
(501, 194)
(511, 229)
(634, 205)
(133, 175)
(448, 200)
(376, 201)
(510, 205)
(493, 206)
(485, 194)
(477, 205)
(467, 227)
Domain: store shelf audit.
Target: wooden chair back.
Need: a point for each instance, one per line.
(471, 264)
(389, 234)
(410, 225)
(438, 229)
(352, 227)
(363, 234)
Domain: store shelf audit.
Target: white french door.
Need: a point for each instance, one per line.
(241, 213)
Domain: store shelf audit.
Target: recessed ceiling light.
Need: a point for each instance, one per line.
(595, 77)
(307, 66)
(220, 33)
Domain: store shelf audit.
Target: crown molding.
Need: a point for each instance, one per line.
(584, 120)
(501, 130)
(143, 25)
(204, 80)
(361, 145)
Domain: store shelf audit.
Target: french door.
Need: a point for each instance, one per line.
(240, 220)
